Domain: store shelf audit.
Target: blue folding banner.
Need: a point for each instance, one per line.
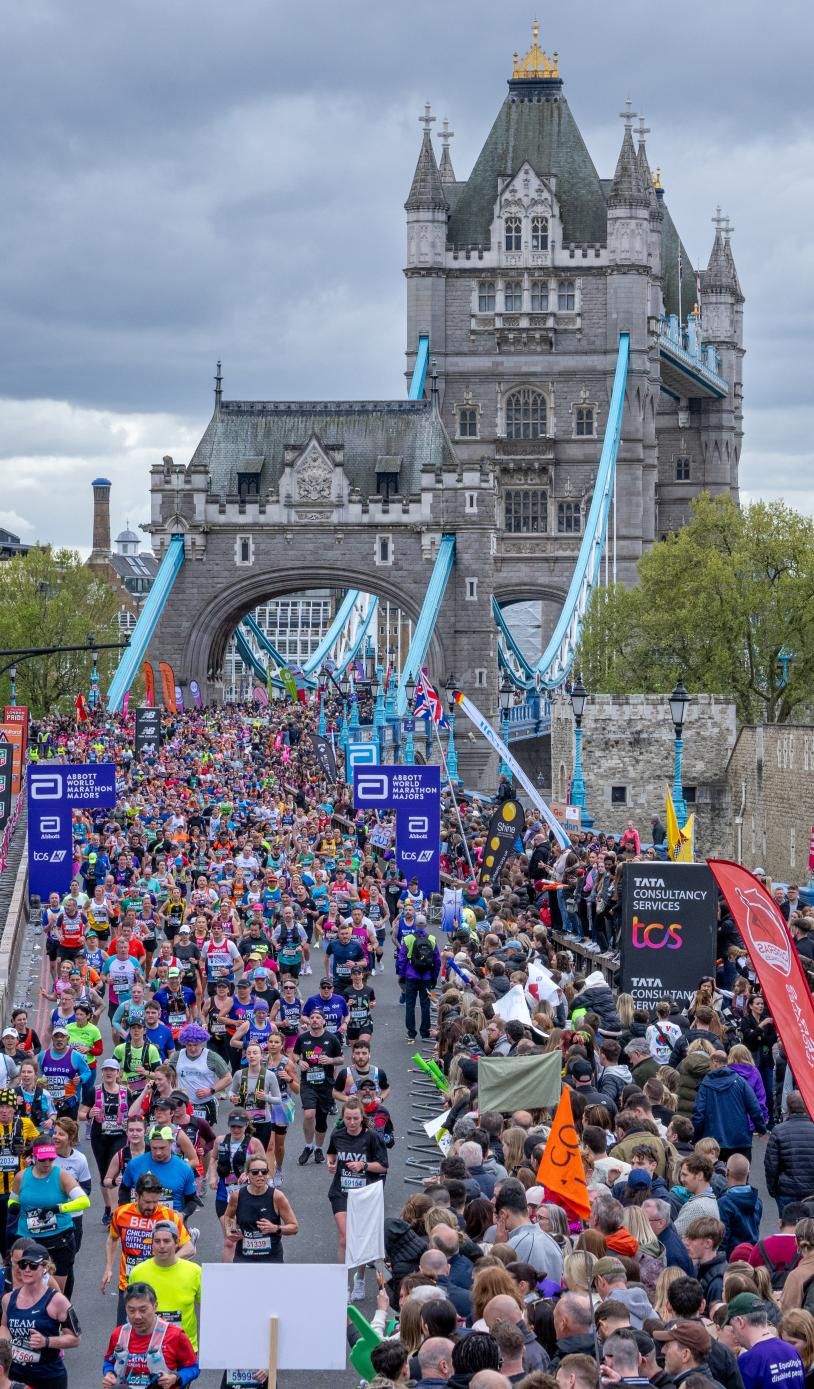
(415, 795)
(53, 792)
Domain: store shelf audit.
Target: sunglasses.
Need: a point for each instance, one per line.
(30, 1263)
(258, 1171)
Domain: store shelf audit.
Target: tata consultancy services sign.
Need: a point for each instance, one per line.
(54, 790)
(669, 928)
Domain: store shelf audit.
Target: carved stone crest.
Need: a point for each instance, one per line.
(314, 474)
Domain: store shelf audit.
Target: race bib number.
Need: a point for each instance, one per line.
(8, 1162)
(177, 1019)
(23, 1355)
(111, 1126)
(316, 1076)
(200, 1111)
(352, 1181)
(256, 1244)
(42, 1221)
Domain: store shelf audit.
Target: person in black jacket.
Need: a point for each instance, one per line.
(699, 1031)
(759, 1034)
(405, 1240)
(789, 1160)
(685, 1302)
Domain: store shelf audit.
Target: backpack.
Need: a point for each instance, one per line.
(778, 1273)
(421, 954)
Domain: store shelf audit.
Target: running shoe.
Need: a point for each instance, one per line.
(358, 1289)
(304, 1156)
(194, 1234)
(106, 1218)
(319, 1156)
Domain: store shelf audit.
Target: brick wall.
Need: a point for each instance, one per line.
(629, 743)
(771, 778)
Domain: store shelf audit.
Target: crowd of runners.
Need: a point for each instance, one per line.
(207, 1019)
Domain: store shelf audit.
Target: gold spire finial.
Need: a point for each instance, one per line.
(536, 63)
(657, 179)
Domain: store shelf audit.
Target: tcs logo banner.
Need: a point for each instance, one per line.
(656, 935)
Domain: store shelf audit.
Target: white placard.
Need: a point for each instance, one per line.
(432, 1127)
(237, 1301)
(546, 991)
(512, 1007)
(364, 1238)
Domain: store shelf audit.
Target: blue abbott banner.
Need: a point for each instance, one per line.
(414, 793)
(53, 792)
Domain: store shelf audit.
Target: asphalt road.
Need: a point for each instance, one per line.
(306, 1188)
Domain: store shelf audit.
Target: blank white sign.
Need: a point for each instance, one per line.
(237, 1301)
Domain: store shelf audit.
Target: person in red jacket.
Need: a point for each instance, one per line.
(147, 1349)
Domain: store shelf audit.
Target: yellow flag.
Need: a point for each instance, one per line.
(679, 841)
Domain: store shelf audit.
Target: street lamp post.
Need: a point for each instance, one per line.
(451, 685)
(579, 694)
(355, 724)
(344, 687)
(409, 723)
(679, 700)
(505, 697)
(94, 675)
(322, 726)
(13, 677)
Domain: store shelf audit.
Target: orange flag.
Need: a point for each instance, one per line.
(561, 1169)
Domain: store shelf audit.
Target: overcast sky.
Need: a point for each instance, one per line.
(184, 180)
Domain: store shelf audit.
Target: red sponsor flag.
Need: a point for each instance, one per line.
(81, 708)
(777, 966)
(167, 686)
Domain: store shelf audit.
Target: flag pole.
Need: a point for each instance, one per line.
(452, 792)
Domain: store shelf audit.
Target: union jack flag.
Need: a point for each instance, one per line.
(428, 703)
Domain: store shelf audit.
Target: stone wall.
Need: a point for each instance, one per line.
(771, 779)
(629, 743)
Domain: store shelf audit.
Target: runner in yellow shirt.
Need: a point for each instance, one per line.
(176, 1282)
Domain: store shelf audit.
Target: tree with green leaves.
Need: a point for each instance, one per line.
(52, 598)
(727, 602)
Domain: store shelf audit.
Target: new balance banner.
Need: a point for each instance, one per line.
(149, 682)
(508, 821)
(483, 725)
(148, 733)
(325, 755)
(53, 792)
(669, 927)
(6, 760)
(167, 674)
(777, 965)
(415, 795)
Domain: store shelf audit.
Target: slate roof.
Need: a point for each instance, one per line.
(546, 134)
(141, 566)
(670, 242)
(628, 189)
(427, 190)
(366, 431)
(720, 272)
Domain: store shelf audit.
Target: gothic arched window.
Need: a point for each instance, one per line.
(514, 234)
(526, 414)
(539, 233)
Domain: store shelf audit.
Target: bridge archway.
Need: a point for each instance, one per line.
(215, 620)
(532, 612)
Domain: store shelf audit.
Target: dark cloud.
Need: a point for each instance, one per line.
(186, 179)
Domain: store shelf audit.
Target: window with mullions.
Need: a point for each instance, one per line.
(486, 296)
(526, 414)
(513, 296)
(467, 423)
(585, 422)
(566, 296)
(569, 518)
(539, 296)
(514, 233)
(526, 511)
(539, 233)
(682, 469)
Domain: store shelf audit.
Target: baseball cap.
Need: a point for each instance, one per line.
(45, 1150)
(742, 1304)
(535, 1196)
(638, 1177)
(59, 1027)
(164, 1133)
(11, 1032)
(111, 1064)
(173, 972)
(185, 931)
(237, 1116)
(691, 1333)
(261, 1005)
(581, 1070)
(244, 983)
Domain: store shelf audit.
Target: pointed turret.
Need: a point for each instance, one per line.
(445, 168)
(627, 189)
(645, 173)
(719, 271)
(427, 192)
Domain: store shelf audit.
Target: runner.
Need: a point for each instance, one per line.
(317, 1053)
(39, 1322)
(356, 1157)
(258, 1218)
(47, 1199)
(228, 1160)
(146, 1347)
